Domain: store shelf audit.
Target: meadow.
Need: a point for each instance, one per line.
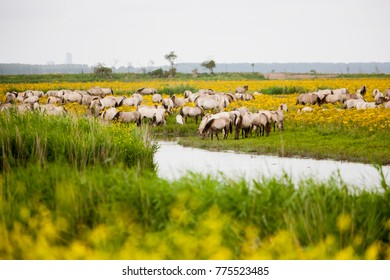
(74, 188)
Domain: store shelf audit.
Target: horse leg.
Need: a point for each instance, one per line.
(237, 134)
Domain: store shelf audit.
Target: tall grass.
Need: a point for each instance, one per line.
(177, 89)
(283, 90)
(36, 138)
(60, 212)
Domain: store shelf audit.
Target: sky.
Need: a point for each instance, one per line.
(141, 32)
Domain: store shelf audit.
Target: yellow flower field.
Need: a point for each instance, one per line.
(372, 119)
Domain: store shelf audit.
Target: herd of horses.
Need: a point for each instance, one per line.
(349, 100)
(209, 107)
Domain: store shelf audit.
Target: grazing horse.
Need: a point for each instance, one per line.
(340, 91)
(308, 98)
(131, 101)
(261, 123)
(275, 117)
(244, 123)
(215, 125)
(110, 114)
(145, 91)
(178, 102)
(134, 116)
(208, 103)
(154, 113)
(97, 91)
(168, 105)
(241, 89)
(192, 112)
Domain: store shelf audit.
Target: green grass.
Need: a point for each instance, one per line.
(296, 140)
(282, 90)
(129, 77)
(170, 90)
(124, 77)
(128, 203)
(33, 137)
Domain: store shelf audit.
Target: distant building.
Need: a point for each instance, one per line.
(68, 58)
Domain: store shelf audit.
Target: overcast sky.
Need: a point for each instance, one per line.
(140, 31)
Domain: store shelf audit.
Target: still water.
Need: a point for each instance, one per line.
(174, 160)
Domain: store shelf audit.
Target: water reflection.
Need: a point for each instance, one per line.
(174, 161)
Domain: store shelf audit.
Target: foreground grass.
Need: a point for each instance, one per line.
(60, 212)
(37, 138)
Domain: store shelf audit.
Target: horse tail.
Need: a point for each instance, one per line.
(181, 112)
(208, 125)
(230, 127)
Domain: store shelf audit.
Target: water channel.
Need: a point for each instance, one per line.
(174, 160)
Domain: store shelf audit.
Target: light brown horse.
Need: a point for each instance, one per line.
(261, 123)
(214, 126)
(192, 112)
(243, 123)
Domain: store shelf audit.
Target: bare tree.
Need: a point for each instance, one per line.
(151, 63)
(116, 60)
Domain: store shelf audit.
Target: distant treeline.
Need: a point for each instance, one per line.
(326, 68)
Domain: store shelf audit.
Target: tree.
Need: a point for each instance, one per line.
(101, 70)
(253, 67)
(157, 73)
(209, 64)
(171, 57)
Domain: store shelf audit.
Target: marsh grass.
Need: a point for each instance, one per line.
(36, 138)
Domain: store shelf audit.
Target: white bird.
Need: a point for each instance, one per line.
(179, 119)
